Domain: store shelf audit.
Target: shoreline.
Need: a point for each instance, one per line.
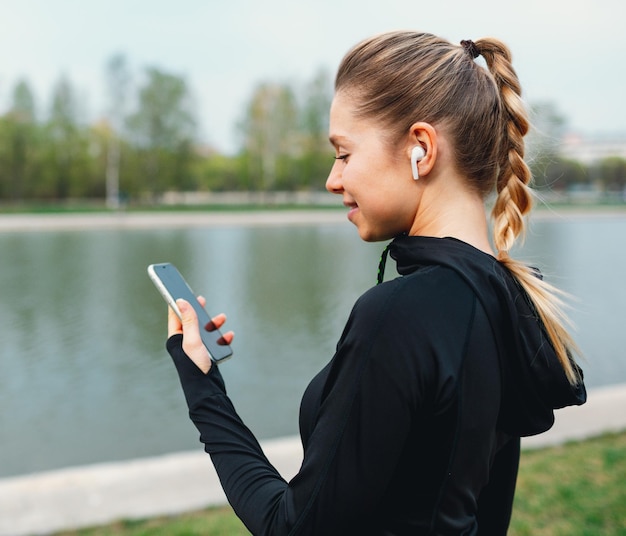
(34, 222)
(165, 220)
(78, 497)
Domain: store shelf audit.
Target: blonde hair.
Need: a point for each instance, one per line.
(404, 77)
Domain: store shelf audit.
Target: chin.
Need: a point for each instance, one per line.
(370, 235)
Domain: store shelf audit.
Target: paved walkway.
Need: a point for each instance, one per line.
(167, 220)
(97, 494)
(225, 218)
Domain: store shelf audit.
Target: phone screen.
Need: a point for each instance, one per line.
(173, 286)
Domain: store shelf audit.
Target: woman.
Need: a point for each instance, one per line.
(414, 425)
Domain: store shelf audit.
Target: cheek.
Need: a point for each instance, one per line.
(360, 175)
(396, 206)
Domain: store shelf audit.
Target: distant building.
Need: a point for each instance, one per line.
(591, 149)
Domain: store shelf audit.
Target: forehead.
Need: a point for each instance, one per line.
(344, 122)
(342, 107)
(348, 127)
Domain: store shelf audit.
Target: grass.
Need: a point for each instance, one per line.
(210, 522)
(577, 489)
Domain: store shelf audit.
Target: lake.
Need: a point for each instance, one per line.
(84, 376)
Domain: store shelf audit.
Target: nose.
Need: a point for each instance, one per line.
(333, 182)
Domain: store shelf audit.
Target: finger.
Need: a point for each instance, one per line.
(216, 322)
(174, 325)
(226, 338)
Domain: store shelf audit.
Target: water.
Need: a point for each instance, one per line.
(84, 376)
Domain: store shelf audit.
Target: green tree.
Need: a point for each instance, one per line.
(67, 170)
(163, 131)
(271, 138)
(561, 174)
(611, 173)
(117, 81)
(218, 172)
(19, 146)
(317, 154)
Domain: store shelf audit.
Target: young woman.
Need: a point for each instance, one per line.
(413, 427)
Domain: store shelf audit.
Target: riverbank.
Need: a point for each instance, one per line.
(172, 484)
(166, 219)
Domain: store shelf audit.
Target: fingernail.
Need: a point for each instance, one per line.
(182, 305)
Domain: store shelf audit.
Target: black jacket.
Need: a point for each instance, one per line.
(413, 427)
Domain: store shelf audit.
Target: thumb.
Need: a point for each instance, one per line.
(188, 315)
(192, 342)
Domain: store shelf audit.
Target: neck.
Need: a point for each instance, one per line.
(455, 212)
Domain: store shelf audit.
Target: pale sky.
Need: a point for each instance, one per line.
(568, 52)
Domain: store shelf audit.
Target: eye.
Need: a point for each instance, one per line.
(343, 157)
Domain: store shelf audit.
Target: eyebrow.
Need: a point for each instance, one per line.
(335, 139)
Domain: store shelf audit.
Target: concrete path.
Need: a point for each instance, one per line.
(205, 218)
(167, 220)
(97, 494)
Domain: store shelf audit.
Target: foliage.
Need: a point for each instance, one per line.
(284, 142)
(558, 174)
(163, 131)
(118, 79)
(146, 143)
(612, 173)
(18, 145)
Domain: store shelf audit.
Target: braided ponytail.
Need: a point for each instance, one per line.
(406, 76)
(514, 201)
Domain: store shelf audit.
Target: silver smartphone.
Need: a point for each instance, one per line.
(173, 286)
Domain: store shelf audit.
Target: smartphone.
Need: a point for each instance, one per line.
(173, 286)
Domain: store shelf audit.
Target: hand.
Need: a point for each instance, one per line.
(192, 343)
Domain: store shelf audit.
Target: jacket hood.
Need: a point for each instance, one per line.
(534, 383)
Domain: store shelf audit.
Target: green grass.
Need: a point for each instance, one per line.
(211, 522)
(578, 489)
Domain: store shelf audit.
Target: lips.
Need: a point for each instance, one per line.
(353, 208)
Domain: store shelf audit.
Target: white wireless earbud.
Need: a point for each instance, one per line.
(417, 154)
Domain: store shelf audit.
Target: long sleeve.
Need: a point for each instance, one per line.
(246, 475)
(352, 451)
(398, 430)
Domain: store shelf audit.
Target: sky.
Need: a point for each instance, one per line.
(568, 52)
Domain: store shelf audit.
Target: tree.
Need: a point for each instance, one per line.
(270, 135)
(562, 174)
(317, 153)
(163, 129)
(118, 79)
(20, 143)
(611, 172)
(65, 172)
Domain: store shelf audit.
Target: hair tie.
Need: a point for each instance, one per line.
(471, 48)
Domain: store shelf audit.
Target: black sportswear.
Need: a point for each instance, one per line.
(413, 427)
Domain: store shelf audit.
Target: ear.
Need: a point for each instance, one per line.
(424, 135)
